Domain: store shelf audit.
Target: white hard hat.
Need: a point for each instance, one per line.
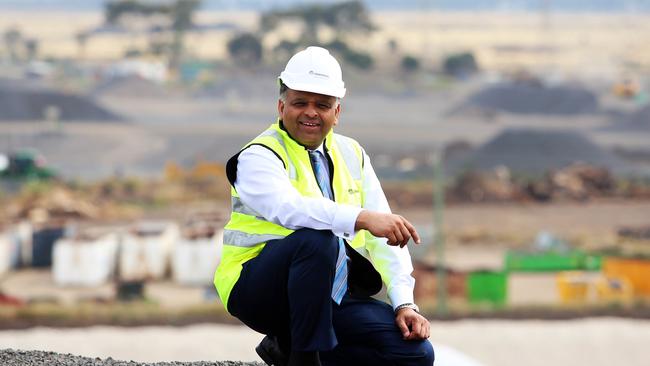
(314, 70)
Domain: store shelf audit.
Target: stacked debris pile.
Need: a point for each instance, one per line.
(427, 281)
(634, 232)
(28, 103)
(531, 152)
(525, 97)
(577, 182)
(9, 357)
(491, 186)
(636, 189)
(58, 203)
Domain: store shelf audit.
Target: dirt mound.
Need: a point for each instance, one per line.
(534, 152)
(636, 121)
(532, 98)
(131, 87)
(20, 103)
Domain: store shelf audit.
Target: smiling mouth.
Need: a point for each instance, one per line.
(310, 124)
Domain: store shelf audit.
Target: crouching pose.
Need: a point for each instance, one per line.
(311, 238)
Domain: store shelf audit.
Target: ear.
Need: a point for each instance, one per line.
(280, 108)
(337, 112)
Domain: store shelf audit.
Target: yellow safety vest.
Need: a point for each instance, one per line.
(246, 233)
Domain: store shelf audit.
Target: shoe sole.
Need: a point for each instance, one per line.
(264, 355)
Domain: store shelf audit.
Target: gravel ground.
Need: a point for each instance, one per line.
(10, 357)
(590, 341)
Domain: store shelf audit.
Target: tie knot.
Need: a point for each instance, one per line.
(316, 158)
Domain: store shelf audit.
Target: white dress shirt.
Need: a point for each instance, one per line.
(263, 185)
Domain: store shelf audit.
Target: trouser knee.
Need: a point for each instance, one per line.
(321, 244)
(429, 354)
(416, 354)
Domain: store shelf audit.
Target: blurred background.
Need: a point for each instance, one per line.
(514, 134)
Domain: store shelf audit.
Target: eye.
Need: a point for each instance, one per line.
(299, 103)
(324, 106)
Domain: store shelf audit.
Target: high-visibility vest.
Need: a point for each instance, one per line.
(246, 233)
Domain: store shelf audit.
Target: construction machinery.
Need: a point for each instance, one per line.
(24, 165)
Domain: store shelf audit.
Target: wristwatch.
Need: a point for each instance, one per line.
(409, 305)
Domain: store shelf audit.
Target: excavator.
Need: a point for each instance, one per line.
(23, 166)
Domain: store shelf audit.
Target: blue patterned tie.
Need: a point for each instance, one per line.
(340, 285)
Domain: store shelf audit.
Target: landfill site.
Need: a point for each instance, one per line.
(526, 172)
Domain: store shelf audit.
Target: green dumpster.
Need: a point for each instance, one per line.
(487, 287)
(551, 261)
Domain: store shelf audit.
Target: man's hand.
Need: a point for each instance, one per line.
(395, 228)
(412, 325)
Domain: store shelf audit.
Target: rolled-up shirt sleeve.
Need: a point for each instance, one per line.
(264, 186)
(393, 263)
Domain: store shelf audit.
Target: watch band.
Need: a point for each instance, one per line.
(409, 305)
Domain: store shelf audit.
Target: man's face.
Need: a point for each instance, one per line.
(309, 117)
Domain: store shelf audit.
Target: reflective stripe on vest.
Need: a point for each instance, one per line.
(242, 239)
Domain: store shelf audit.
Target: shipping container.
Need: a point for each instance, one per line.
(85, 262)
(24, 234)
(145, 250)
(195, 259)
(6, 245)
(635, 271)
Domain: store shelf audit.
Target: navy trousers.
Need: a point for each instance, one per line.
(286, 292)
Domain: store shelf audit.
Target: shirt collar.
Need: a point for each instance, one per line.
(320, 149)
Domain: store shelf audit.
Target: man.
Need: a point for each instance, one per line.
(307, 208)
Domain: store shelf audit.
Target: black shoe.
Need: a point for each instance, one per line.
(270, 352)
(304, 359)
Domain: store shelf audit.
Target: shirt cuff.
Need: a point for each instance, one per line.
(399, 295)
(344, 221)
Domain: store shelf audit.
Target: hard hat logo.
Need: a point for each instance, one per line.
(312, 72)
(300, 73)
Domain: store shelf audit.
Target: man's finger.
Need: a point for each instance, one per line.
(398, 235)
(414, 233)
(416, 331)
(391, 239)
(405, 234)
(426, 327)
(401, 324)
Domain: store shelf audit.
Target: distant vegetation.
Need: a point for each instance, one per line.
(473, 5)
(341, 19)
(168, 21)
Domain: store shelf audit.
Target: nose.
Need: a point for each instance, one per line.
(311, 111)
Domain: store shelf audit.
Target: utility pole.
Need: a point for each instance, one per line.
(439, 238)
